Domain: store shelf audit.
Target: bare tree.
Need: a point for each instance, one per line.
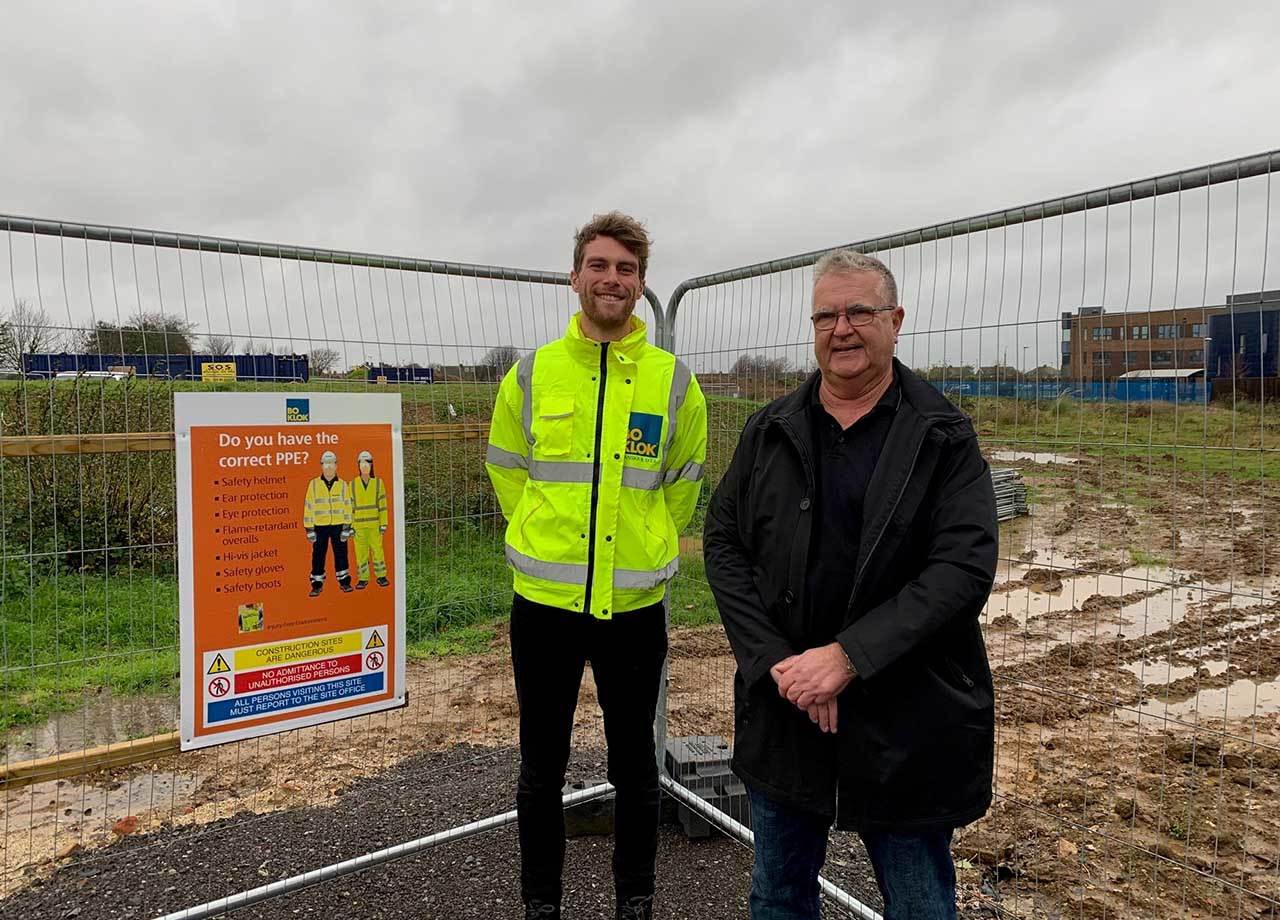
(759, 365)
(500, 358)
(323, 360)
(218, 344)
(27, 330)
(257, 348)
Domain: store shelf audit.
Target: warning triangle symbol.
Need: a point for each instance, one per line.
(219, 665)
(375, 641)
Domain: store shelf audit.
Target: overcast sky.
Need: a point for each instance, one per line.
(481, 131)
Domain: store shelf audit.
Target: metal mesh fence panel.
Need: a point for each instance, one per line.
(1116, 352)
(99, 328)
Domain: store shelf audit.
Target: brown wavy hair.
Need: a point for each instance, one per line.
(622, 227)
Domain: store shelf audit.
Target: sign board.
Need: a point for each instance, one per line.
(291, 560)
(217, 371)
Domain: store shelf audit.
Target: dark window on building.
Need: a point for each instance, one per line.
(1195, 356)
(1161, 358)
(1102, 357)
(1133, 357)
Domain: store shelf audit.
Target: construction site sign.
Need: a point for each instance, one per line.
(291, 560)
(218, 371)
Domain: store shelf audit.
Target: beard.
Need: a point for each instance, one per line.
(605, 314)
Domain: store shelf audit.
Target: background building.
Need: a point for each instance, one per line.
(1097, 345)
(1245, 337)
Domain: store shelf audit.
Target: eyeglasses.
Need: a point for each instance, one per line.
(857, 314)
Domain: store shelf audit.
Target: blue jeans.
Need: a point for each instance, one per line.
(914, 871)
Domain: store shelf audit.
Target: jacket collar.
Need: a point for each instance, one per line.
(628, 348)
(915, 393)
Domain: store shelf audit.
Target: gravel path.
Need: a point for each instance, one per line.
(144, 876)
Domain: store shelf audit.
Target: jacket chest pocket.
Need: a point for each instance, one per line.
(553, 426)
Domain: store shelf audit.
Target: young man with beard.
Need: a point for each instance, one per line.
(595, 451)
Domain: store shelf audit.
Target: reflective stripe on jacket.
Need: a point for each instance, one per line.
(326, 504)
(368, 502)
(596, 453)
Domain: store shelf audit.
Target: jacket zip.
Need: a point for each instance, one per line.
(595, 474)
(857, 582)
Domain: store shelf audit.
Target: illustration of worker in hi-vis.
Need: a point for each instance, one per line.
(327, 518)
(369, 520)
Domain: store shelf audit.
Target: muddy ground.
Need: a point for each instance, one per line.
(1134, 634)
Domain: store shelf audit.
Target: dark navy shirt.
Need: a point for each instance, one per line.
(845, 460)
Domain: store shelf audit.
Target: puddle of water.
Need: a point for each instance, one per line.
(1240, 700)
(1027, 604)
(1011, 456)
(103, 719)
(1162, 671)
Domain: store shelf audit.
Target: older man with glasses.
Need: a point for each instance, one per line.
(850, 546)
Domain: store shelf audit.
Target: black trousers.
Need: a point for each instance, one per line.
(325, 535)
(549, 648)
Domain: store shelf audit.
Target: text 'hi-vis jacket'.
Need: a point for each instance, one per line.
(596, 452)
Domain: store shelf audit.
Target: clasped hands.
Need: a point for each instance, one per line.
(813, 680)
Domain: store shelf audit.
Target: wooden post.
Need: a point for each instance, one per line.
(77, 763)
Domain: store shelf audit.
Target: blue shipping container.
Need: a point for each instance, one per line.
(1140, 390)
(254, 368)
(401, 374)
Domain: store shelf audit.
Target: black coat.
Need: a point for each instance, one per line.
(916, 737)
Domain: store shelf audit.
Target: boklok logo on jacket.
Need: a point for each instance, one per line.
(643, 434)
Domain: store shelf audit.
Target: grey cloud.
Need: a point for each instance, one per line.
(487, 131)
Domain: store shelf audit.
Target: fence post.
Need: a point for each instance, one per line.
(663, 337)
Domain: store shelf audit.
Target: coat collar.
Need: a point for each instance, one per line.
(913, 392)
(628, 348)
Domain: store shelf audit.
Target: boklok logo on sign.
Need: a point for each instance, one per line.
(297, 410)
(643, 434)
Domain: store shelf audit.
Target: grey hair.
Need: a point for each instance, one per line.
(848, 261)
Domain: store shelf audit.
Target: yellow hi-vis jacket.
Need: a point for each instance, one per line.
(596, 453)
(368, 502)
(326, 504)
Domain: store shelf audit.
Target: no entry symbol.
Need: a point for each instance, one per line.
(373, 660)
(219, 686)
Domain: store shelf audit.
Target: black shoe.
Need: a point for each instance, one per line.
(541, 910)
(639, 907)
(316, 589)
(361, 585)
(345, 587)
(382, 581)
